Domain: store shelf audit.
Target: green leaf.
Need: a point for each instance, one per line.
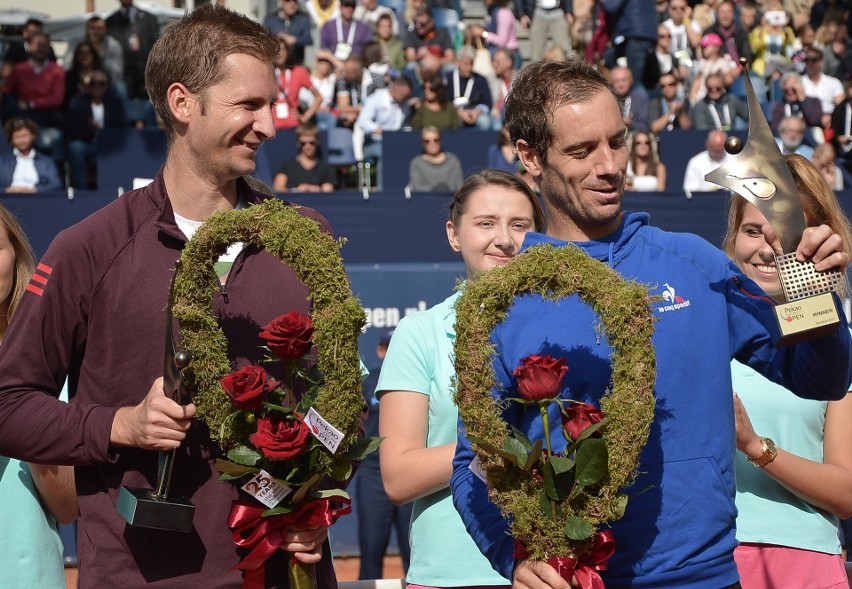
(495, 450)
(332, 494)
(516, 450)
(576, 528)
(621, 506)
(534, 456)
(522, 438)
(544, 504)
(558, 486)
(236, 470)
(362, 448)
(561, 464)
(341, 469)
(302, 492)
(244, 455)
(591, 461)
(279, 509)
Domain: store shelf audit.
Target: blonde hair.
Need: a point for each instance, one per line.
(24, 264)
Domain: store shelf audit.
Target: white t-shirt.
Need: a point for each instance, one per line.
(826, 89)
(25, 173)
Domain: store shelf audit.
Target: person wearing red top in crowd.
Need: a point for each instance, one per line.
(36, 88)
(291, 78)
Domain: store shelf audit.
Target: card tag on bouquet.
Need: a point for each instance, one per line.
(476, 468)
(326, 433)
(266, 489)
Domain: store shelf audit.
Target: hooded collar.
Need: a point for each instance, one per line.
(610, 249)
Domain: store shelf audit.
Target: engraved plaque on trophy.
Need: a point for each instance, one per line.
(759, 174)
(155, 508)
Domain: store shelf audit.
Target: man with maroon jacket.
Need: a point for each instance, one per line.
(94, 313)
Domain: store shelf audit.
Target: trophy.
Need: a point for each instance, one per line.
(759, 174)
(154, 508)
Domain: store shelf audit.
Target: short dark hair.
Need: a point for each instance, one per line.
(191, 51)
(539, 89)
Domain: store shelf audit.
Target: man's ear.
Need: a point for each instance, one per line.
(181, 102)
(530, 158)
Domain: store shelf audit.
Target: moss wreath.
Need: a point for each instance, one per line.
(624, 310)
(338, 317)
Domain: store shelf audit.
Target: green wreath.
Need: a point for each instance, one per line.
(298, 242)
(626, 320)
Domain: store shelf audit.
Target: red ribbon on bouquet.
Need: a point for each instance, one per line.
(586, 568)
(265, 535)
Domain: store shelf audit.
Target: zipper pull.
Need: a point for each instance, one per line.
(224, 293)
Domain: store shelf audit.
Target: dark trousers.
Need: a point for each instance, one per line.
(376, 517)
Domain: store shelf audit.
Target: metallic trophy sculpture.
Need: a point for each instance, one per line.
(759, 174)
(153, 508)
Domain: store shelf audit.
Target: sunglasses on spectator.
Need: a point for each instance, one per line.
(421, 23)
(714, 88)
(309, 142)
(665, 36)
(668, 85)
(431, 140)
(813, 59)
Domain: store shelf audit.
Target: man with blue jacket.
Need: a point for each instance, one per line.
(678, 529)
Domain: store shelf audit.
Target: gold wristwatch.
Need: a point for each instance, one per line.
(769, 453)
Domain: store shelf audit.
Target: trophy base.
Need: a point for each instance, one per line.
(140, 509)
(806, 318)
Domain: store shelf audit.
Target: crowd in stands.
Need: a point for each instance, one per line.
(676, 63)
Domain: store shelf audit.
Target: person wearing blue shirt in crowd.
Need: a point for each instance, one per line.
(293, 25)
(678, 529)
(25, 169)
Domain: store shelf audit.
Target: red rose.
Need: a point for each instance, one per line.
(579, 417)
(280, 439)
(539, 377)
(248, 387)
(289, 336)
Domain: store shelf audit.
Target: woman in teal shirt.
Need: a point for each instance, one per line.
(794, 465)
(489, 217)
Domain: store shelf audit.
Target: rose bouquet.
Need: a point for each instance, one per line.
(283, 437)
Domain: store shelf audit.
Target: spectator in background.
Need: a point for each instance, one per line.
(748, 18)
(791, 134)
(807, 39)
(662, 61)
(834, 37)
(823, 158)
(426, 38)
(498, 28)
(686, 35)
(705, 162)
(19, 51)
(734, 36)
(645, 171)
(671, 110)
(841, 129)
(711, 61)
(546, 20)
(108, 49)
(94, 109)
(351, 91)
(84, 61)
(322, 11)
(504, 70)
(469, 92)
(369, 11)
(345, 37)
(409, 16)
(502, 155)
(435, 110)
(393, 52)
(290, 80)
(719, 109)
(794, 103)
(35, 88)
(377, 515)
(294, 25)
(136, 31)
(435, 170)
(324, 79)
(827, 89)
(25, 169)
(427, 68)
(632, 27)
(634, 97)
(306, 172)
(772, 46)
(385, 110)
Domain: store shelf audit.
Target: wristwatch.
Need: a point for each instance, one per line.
(769, 453)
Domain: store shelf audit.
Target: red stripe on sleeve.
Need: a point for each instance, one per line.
(45, 268)
(35, 289)
(39, 278)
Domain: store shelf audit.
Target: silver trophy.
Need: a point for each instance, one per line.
(759, 174)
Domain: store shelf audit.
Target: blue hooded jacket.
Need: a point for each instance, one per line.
(678, 530)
